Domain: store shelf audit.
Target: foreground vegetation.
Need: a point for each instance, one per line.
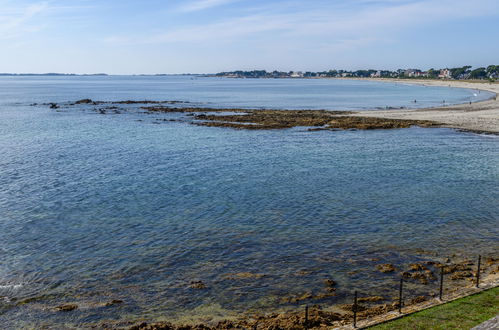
(463, 313)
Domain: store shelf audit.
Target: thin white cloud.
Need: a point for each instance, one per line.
(203, 5)
(325, 22)
(16, 21)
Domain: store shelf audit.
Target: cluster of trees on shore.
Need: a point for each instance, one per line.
(466, 72)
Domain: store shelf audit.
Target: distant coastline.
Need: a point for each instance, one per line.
(478, 117)
(490, 72)
(51, 74)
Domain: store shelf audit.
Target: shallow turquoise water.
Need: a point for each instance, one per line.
(99, 207)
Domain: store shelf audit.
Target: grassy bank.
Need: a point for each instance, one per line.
(463, 313)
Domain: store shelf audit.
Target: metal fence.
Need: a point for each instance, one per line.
(401, 297)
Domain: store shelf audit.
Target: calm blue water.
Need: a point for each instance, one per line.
(242, 93)
(100, 207)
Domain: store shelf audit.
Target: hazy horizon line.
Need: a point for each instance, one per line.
(211, 73)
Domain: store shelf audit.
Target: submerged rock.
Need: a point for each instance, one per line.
(197, 285)
(370, 299)
(66, 307)
(114, 302)
(489, 261)
(84, 101)
(423, 277)
(378, 310)
(449, 269)
(329, 282)
(317, 318)
(417, 267)
(330, 285)
(418, 300)
(349, 307)
(243, 275)
(385, 268)
(308, 296)
(461, 275)
(258, 119)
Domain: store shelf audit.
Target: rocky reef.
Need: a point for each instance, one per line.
(318, 120)
(324, 316)
(249, 119)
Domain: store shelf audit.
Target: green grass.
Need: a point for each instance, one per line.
(464, 313)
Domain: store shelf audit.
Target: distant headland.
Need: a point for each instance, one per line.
(92, 74)
(51, 74)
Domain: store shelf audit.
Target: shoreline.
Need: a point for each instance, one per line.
(478, 117)
(373, 309)
(481, 117)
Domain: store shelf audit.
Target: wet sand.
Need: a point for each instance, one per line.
(478, 117)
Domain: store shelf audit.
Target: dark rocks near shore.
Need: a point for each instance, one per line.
(89, 101)
(243, 275)
(422, 277)
(369, 306)
(370, 299)
(320, 119)
(66, 307)
(417, 267)
(330, 285)
(84, 101)
(418, 300)
(148, 102)
(197, 285)
(461, 275)
(378, 310)
(317, 318)
(385, 268)
(489, 261)
(113, 302)
(261, 119)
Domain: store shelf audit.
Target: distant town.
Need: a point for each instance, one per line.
(463, 73)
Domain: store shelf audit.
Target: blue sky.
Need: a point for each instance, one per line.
(202, 36)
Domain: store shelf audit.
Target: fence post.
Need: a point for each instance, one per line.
(354, 307)
(441, 282)
(400, 295)
(478, 271)
(306, 317)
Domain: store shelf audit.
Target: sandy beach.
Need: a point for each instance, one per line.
(479, 117)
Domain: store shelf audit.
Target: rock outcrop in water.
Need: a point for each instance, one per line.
(197, 285)
(318, 119)
(66, 307)
(280, 119)
(256, 119)
(385, 268)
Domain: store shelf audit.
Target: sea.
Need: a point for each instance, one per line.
(131, 217)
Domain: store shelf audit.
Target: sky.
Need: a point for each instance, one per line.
(208, 36)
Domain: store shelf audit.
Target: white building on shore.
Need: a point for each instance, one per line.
(445, 74)
(296, 74)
